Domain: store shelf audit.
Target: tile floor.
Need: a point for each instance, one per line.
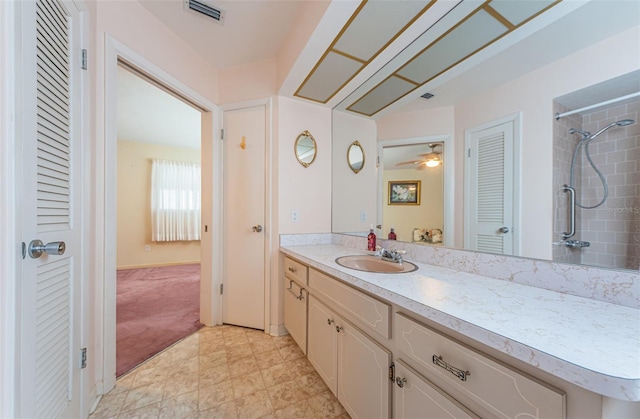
(223, 372)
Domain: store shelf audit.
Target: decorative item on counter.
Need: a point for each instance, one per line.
(392, 234)
(371, 240)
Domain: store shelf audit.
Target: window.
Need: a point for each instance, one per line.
(175, 201)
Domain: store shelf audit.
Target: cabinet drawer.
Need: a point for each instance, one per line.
(296, 271)
(497, 387)
(367, 310)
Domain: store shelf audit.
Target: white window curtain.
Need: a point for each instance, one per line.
(175, 201)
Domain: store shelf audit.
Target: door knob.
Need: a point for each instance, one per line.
(257, 228)
(37, 248)
(503, 230)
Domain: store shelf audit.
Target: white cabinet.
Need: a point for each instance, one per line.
(354, 366)
(487, 383)
(295, 312)
(416, 397)
(295, 301)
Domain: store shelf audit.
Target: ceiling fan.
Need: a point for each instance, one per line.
(430, 159)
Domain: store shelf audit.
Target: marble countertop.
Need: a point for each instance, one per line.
(593, 344)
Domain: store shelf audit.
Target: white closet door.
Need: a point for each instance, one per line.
(50, 122)
(489, 190)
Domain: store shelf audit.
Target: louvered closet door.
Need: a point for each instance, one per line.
(489, 197)
(50, 310)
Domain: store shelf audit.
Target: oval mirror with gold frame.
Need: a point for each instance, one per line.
(355, 156)
(305, 148)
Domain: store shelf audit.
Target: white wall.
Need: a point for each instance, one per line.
(352, 192)
(306, 190)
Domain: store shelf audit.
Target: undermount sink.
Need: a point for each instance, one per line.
(374, 264)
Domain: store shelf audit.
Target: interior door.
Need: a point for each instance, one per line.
(489, 190)
(49, 131)
(244, 270)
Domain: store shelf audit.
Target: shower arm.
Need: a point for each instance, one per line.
(572, 214)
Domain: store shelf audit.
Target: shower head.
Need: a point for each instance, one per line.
(620, 123)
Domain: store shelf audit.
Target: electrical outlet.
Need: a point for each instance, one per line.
(294, 216)
(147, 248)
(363, 216)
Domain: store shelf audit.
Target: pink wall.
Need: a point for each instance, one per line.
(307, 190)
(130, 23)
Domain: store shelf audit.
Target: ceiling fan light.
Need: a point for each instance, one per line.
(432, 163)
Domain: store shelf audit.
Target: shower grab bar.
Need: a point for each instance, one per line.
(572, 214)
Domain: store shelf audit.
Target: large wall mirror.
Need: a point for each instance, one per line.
(543, 79)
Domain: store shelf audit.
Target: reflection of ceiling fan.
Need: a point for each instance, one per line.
(430, 159)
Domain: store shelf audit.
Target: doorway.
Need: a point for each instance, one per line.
(211, 220)
(158, 273)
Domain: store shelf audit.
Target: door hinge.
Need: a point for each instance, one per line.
(83, 358)
(469, 152)
(392, 372)
(378, 161)
(221, 288)
(222, 134)
(84, 59)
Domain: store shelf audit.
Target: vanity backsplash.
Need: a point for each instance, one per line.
(608, 285)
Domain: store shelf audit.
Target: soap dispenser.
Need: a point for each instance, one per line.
(371, 240)
(392, 234)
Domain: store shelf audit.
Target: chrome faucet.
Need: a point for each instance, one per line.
(392, 255)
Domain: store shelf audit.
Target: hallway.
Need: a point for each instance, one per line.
(223, 372)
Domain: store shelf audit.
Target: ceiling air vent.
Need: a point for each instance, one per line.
(426, 96)
(202, 8)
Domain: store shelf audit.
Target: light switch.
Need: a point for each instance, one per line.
(294, 216)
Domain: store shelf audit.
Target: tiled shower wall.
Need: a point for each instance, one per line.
(613, 229)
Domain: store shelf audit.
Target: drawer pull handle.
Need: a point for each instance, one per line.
(292, 270)
(329, 321)
(461, 374)
(339, 329)
(290, 289)
(401, 381)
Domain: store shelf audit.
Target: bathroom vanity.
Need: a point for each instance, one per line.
(438, 342)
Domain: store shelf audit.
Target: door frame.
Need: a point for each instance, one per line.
(106, 178)
(447, 178)
(10, 262)
(516, 119)
(270, 236)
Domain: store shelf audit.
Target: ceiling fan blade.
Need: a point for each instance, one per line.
(410, 162)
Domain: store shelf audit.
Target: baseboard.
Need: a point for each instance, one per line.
(278, 330)
(157, 265)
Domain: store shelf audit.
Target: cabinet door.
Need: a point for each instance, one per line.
(416, 397)
(364, 388)
(322, 342)
(295, 313)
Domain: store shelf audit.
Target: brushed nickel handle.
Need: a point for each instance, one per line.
(339, 329)
(329, 321)
(37, 248)
(401, 381)
(292, 269)
(461, 374)
(257, 228)
(503, 230)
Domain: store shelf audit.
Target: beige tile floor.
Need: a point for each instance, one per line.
(223, 372)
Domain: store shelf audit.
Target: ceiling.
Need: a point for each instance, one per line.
(256, 30)
(148, 114)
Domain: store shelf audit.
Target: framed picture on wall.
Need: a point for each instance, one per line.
(404, 192)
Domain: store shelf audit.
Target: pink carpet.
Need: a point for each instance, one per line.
(156, 307)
